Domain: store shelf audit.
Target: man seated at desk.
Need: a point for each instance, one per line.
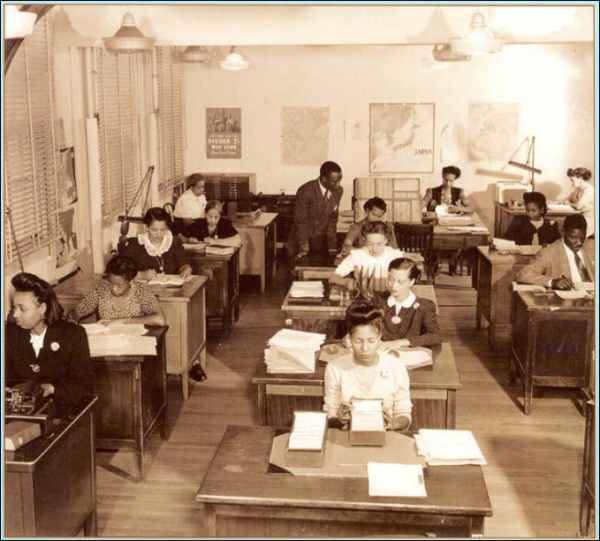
(566, 261)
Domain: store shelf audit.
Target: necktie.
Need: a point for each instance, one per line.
(326, 195)
(585, 277)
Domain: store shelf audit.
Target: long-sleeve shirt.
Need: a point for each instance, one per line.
(354, 239)
(387, 380)
(583, 201)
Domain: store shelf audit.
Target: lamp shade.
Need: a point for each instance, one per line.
(18, 23)
(479, 40)
(196, 54)
(128, 38)
(234, 61)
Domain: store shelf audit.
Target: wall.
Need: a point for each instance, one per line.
(553, 85)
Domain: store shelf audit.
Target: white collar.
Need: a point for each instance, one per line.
(406, 303)
(153, 250)
(37, 341)
(323, 189)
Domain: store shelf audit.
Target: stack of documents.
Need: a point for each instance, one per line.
(367, 416)
(456, 221)
(413, 357)
(308, 431)
(122, 339)
(503, 244)
(197, 247)
(449, 447)
(307, 290)
(396, 480)
(559, 207)
(166, 280)
(293, 352)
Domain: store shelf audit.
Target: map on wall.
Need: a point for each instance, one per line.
(493, 131)
(402, 136)
(304, 135)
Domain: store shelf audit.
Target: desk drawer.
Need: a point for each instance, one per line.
(449, 242)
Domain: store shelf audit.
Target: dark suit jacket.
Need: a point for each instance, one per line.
(64, 361)
(551, 262)
(436, 196)
(521, 230)
(171, 261)
(314, 217)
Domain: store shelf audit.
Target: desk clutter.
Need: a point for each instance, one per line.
(123, 339)
(293, 352)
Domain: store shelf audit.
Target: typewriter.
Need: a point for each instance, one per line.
(26, 402)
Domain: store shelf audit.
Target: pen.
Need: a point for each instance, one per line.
(571, 283)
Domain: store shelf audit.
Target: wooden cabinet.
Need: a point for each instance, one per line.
(402, 195)
(50, 483)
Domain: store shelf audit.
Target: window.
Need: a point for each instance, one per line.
(170, 117)
(31, 155)
(118, 129)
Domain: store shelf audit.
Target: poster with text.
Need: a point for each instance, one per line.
(223, 133)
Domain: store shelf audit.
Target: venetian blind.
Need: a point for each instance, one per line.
(170, 117)
(31, 156)
(118, 129)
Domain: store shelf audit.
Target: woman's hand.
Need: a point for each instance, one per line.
(193, 240)
(186, 271)
(210, 240)
(48, 389)
(346, 342)
(394, 344)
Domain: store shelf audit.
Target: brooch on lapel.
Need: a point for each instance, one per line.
(35, 367)
(54, 346)
(396, 320)
(385, 374)
(416, 305)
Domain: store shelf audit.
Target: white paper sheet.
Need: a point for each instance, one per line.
(396, 480)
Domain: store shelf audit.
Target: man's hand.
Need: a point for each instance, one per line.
(562, 283)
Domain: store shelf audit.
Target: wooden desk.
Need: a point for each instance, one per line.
(242, 500)
(222, 295)
(552, 342)
(432, 391)
(184, 309)
(50, 483)
(327, 316)
(503, 216)
(495, 276)
(259, 251)
(132, 393)
(588, 484)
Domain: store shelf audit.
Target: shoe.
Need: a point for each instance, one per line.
(452, 268)
(197, 374)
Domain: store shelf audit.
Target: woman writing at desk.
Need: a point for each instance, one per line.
(157, 250)
(118, 299)
(43, 347)
(533, 229)
(214, 229)
(367, 372)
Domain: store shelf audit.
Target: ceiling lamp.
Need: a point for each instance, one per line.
(128, 38)
(196, 54)
(234, 61)
(442, 52)
(478, 41)
(18, 23)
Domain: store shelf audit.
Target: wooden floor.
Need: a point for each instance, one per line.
(534, 462)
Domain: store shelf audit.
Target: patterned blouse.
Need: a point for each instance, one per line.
(140, 302)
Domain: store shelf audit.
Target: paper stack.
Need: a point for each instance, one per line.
(413, 357)
(559, 207)
(293, 352)
(366, 423)
(308, 440)
(572, 294)
(456, 221)
(504, 245)
(396, 480)
(307, 290)
(166, 280)
(122, 339)
(449, 447)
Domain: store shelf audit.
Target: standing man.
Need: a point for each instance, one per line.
(316, 214)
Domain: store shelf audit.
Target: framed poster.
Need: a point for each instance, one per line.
(401, 137)
(223, 133)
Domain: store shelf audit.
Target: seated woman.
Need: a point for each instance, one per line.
(117, 299)
(582, 198)
(375, 209)
(157, 250)
(408, 320)
(41, 346)
(446, 194)
(367, 372)
(533, 228)
(368, 264)
(214, 229)
(189, 208)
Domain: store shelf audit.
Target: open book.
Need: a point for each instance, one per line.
(166, 280)
(413, 357)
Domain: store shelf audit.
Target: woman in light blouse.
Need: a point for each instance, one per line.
(582, 197)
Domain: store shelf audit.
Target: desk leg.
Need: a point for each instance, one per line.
(477, 526)
(262, 404)
(512, 372)
(528, 384)
(263, 281)
(478, 316)
(139, 424)
(90, 526)
(210, 520)
(185, 384)
(451, 410)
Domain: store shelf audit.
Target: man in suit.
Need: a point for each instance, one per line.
(316, 213)
(566, 261)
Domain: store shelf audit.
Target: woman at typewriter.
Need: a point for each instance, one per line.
(44, 348)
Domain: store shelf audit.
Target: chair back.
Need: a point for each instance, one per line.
(414, 237)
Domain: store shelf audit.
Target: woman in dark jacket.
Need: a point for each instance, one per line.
(43, 347)
(214, 229)
(533, 228)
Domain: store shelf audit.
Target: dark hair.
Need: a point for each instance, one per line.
(375, 202)
(371, 228)
(451, 170)
(364, 313)
(193, 179)
(403, 263)
(25, 282)
(214, 204)
(575, 221)
(538, 199)
(123, 266)
(579, 172)
(329, 167)
(157, 214)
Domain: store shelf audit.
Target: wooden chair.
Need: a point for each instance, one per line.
(418, 238)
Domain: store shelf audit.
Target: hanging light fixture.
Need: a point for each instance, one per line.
(18, 23)
(478, 41)
(234, 61)
(128, 38)
(196, 54)
(442, 52)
